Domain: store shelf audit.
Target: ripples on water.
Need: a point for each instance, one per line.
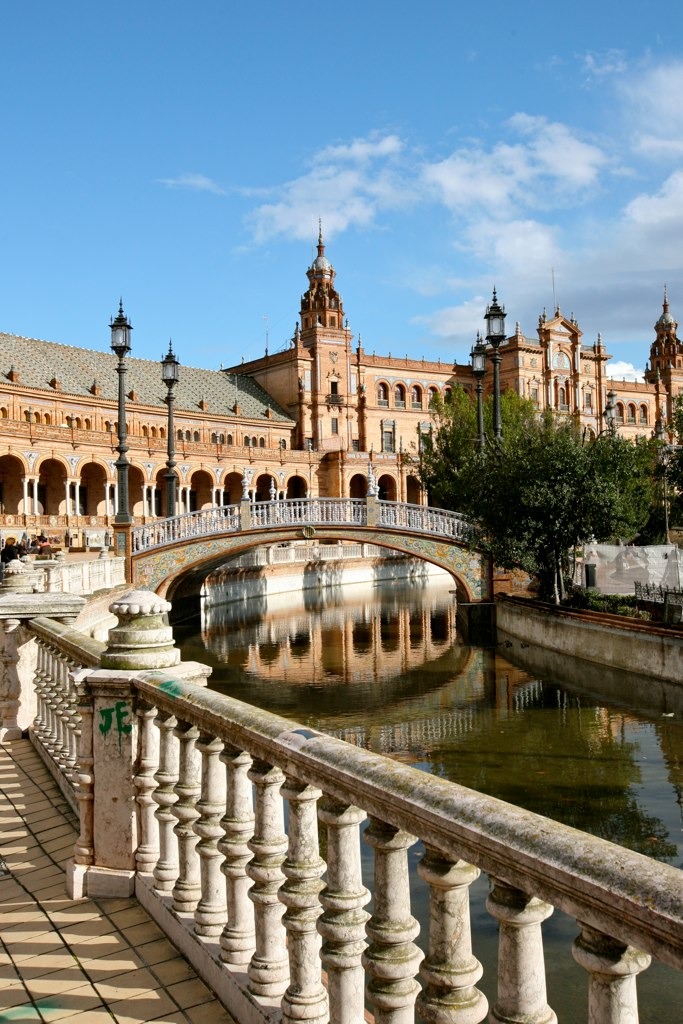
(384, 668)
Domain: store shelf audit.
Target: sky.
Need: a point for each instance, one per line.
(180, 156)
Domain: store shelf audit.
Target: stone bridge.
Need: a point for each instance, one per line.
(164, 552)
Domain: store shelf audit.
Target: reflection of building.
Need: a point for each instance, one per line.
(340, 639)
(305, 421)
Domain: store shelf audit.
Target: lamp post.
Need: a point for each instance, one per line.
(120, 343)
(170, 375)
(495, 335)
(610, 414)
(478, 357)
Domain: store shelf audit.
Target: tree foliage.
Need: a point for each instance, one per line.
(541, 490)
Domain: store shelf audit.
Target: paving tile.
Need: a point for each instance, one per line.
(50, 942)
(209, 1013)
(143, 1008)
(113, 905)
(105, 945)
(69, 1004)
(24, 1013)
(82, 930)
(157, 951)
(57, 982)
(111, 966)
(54, 960)
(128, 984)
(175, 970)
(190, 993)
(142, 933)
(15, 995)
(128, 918)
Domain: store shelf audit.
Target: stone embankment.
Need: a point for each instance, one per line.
(612, 641)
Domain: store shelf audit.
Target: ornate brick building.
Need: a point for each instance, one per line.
(305, 421)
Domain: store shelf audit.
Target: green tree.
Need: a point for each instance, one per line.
(542, 489)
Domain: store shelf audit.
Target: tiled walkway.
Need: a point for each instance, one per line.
(87, 960)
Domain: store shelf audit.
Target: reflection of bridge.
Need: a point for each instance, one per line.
(164, 551)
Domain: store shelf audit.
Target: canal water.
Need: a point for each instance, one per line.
(384, 668)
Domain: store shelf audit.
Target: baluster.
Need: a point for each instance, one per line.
(39, 684)
(342, 924)
(612, 968)
(211, 912)
(450, 970)
(147, 853)
(84, 847)
(72, 723)
(521, 966)
(237, 939)
(392, 958)
(187, 889)
(268, 969)
(164, 796)
(305, 998)
(52, 704)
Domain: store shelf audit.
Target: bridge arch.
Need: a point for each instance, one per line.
(169, 554)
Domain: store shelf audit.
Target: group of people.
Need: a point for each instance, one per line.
(14, 549)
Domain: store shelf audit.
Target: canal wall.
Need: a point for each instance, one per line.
(271, 580)
(609, 640)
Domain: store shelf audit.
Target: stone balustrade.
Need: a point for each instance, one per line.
(303, 512)
(217, 814)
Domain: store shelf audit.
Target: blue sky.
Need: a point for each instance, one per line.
(180, 156)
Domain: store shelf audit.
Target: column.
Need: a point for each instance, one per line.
(24, 484)
(612, 967)
(450, 970)
(342, 924)
(77, 497)
(521, 965)
(392, 958)
(305, 998)
(35, 496)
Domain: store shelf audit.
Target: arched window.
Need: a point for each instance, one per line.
(48, 419)
(620, 413)
(562, 397)
(153, 432)
(180, 435)
(416, 397)
(162, 432)
(214, 438)
(262, 442)
(247, 442)
(643, 414)
(229, 438)
(631, 414)
(433, 392)
(588, 400)
(195, 437)
(383, 395)
(145, 431)
(254, 442)
(400, 396)
(3, 414)
(283, 443)
(446, 393)
(188, 435)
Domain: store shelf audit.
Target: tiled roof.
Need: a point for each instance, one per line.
(37, 363)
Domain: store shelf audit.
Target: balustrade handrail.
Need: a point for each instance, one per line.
(301, 512)
(616, 891)
(82, 650)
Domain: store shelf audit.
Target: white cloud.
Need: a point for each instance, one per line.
(601, 65)
(621, 370)
(194, 182)
(660, 209)
(654, 110)
(456, 321)
(346, 186)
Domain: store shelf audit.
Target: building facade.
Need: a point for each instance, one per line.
(306, 421)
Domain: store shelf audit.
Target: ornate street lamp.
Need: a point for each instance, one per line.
(610, 413)
(170, 374)
(495, 335)
(120, 343)
(478, 357)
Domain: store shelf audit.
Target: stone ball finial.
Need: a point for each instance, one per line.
(142, 640)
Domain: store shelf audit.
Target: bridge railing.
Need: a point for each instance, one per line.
(302, 512)
(424, 519)
(240, 886)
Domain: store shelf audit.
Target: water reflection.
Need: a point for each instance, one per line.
(383, 668)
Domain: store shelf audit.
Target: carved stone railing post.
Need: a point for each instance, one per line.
(164, 796)
(450, 971)
(392, 958)
(187, 888)
(521, 966)
(211, 912)
(268, 969)
(612, 967)
(342, 924)
(84, 849)
(10, 687)
(237, 938)
(147, 853)
(305, 997)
